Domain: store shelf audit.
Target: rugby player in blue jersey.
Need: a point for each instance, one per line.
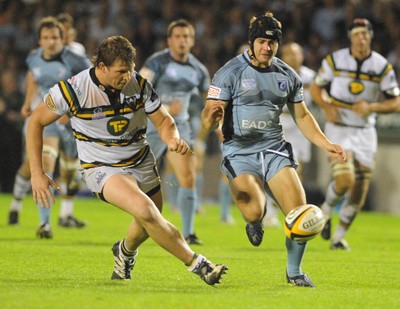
(47, 65)
(178, 77)
(247, 95)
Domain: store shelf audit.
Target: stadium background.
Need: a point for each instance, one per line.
(221, 28)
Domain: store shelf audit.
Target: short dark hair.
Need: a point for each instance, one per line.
(65, 18)
(50, 22)
(180, 23)
(114, 48)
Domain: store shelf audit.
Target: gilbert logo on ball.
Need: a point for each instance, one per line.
(304, 222)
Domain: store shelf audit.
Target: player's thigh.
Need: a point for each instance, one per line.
(157, 198)
(247, 191)
(123, 191)
(184, 167)
(287, 189)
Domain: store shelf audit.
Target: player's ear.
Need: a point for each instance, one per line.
(102, 67)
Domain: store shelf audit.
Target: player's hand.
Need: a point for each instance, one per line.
(26, 110)
(217, 111)
(361, 107)
(212, 114)
(178, 145)
(336, 151)
(332, 114)
(41, 192)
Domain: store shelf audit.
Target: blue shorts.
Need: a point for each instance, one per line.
(264, 164)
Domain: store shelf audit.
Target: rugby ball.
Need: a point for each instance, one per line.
(304, 222)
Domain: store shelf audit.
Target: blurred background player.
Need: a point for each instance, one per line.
(177, 75)
(199, 136)
(47, 65)
(355, 78)
(292, 54)
(70, 34)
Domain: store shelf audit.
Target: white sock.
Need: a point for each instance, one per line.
(195, 264)
(16, 205)
(67, 208)
(340, 233)
(272, 208)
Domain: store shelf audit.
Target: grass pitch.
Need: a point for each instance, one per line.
(73, 270)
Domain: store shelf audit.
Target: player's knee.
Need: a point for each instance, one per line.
(147, 215)
(344, 175)
(72, 191)
(188, 181)
(363, 175)
(50, 152)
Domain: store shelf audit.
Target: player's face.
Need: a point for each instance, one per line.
(264, 51)
(117, 75)
(51, 42)
(361, 40)
(292, 55)
(181, 41)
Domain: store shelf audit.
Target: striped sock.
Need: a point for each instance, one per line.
(125, 252)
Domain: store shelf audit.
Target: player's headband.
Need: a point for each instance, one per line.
(360, 24)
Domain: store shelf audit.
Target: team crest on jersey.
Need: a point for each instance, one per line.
(249, 84)
(171, 71)
(356, 87)
(117, 125)
(214, 92)
(50, 103)
(134, 102)
(98, 113)
(282, 84)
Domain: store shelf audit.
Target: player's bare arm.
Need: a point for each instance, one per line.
(40, 118)
(212, 114)
(321, 98)
(311, 130)
(31, 92)
(167, 130)
(363, 108)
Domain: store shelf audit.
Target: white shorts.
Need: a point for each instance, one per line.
(361, 142)
(145, 173)
(301, 145)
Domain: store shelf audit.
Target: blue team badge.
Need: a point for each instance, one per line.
(282, 84)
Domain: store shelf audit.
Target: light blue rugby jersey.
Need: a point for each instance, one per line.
(47, 73)
(174, 80)
(255, 98)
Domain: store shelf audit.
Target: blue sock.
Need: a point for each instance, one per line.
(199, 188)
(171, 187)
(187, 201)
(295, 252)
(225, 199)
(44, 213)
